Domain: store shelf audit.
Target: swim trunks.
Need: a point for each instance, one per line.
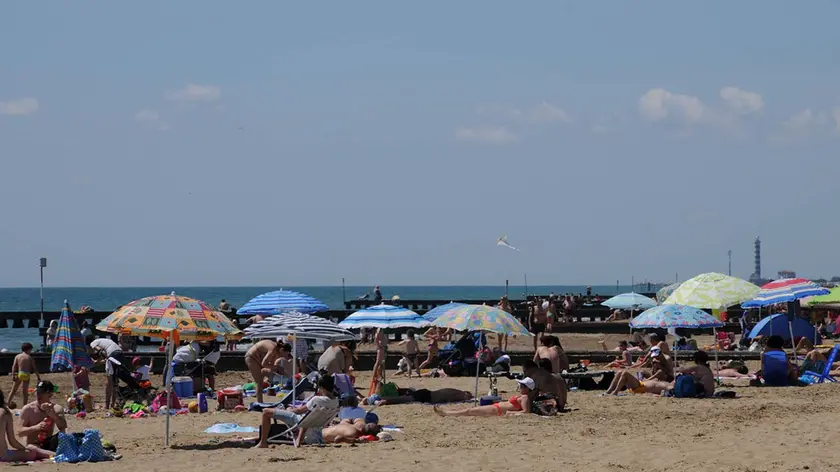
(422, 395)
(640, 389)
(23, 376)
(412, 357)
(538, 327)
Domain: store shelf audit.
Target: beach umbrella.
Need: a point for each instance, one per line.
(713, 291)
(298, 325)
(68, 349)
(171, 317)
(435, 312)
(282, 301)
(630, 301)
(666, 292)
(785, 290)
(385, 317)
(678, 316)
(829, 300)
(780, 325)
(481, 318)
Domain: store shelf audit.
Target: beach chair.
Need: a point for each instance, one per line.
(826, 372)
(344, 387)
(317, 419)
(775, 369)
(306, 384)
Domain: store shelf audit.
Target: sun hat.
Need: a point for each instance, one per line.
(528, 382)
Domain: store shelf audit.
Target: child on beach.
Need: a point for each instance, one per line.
(23, 367)
(142, 372)
(411, 350)
(81, 375)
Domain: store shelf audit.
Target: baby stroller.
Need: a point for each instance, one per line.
(131, 391)
(202, 368)
(461, 359)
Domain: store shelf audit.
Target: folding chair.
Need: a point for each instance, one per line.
(318, 419)
(826, 373)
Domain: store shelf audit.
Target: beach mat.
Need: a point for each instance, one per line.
(229, 428)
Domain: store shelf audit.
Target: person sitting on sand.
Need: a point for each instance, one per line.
(547, 351)
(260, 360)
(348, 431)
(412, 349)
(11, 450)
(704, 378)
(519, 404)
(39, 419)
(324, 398)
(551, 384)
(433, 335)
(23, 367)
(662, 368)
(435, 397)
(624, 358)
(776, 369)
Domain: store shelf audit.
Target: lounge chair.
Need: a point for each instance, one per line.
(306, 384)
(317, 419)
(826, 372)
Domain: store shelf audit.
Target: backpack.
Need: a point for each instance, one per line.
(684, 387)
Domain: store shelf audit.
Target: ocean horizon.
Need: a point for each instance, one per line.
(107, 299)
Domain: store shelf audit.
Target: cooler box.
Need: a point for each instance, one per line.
(183, 387)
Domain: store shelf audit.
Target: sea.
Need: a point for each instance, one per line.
(106, 299)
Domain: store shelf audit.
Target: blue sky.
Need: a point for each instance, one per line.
(271, 143)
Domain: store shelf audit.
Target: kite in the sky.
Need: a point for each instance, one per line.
(503, 242)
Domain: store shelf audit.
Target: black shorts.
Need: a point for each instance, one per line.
(423, 395)
(50, 443)
(411, 357)
(538, 328)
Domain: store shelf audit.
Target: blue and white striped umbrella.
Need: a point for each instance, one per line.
(298, 325)
(630, 301)
(435, 312)
(282, 301)
(384, 316)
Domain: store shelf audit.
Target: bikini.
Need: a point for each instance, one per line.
(514, 401)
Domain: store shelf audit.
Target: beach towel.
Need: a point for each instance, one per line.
(229, 428)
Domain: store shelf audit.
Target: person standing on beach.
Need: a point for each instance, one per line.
(412, 349)
(537, 321)
(377, 294)
(260, 361)
(381, 342)
(23, 367)
(504, 305)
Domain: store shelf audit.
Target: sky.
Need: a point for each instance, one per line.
(279, 144)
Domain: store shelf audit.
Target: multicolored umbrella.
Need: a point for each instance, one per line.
(161, 315)
(713, 291)
(435, 312)
(785, 290)
(68, 349)
(666, 292)
(481, 318)
(385, 317)
(282, 301)
(630, 301)
(675, 316)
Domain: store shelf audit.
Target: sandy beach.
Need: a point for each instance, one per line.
(764, 430)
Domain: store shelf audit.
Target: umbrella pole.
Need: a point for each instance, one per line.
(478, 366)
(717, 364)
(294, 367)
(168, 366)
(795, 362)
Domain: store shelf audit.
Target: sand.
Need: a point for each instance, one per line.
(767, 429)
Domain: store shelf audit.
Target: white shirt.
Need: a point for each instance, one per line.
(106, 345)
(143, 370)
(319, 401)
(186, 354)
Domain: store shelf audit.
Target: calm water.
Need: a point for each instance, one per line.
(107, 299)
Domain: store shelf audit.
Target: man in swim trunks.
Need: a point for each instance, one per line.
(435, 397)
(11, 450)
(39, 419)
(537, 321)
(22, 369)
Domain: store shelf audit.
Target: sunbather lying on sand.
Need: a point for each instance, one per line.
(348, 431)
(626, 380)
(517, 404)
(443, 395)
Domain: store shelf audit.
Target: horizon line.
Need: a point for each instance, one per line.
(278, 287)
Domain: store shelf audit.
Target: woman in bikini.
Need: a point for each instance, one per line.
(11, 450)
(516, 405)
(433, 335)
(381, 342)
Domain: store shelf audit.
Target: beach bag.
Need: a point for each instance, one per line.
(91, 450)
(389, 390)
(684, 387)
(68, 448)
(546, 407)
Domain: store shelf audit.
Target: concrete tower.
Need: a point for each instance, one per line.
(756, 276)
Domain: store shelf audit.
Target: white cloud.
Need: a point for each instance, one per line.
(196, 93)
(805, 121)
(659, 104)
(741, 101)
(19, 107)
(486, 134)
(151, 119)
